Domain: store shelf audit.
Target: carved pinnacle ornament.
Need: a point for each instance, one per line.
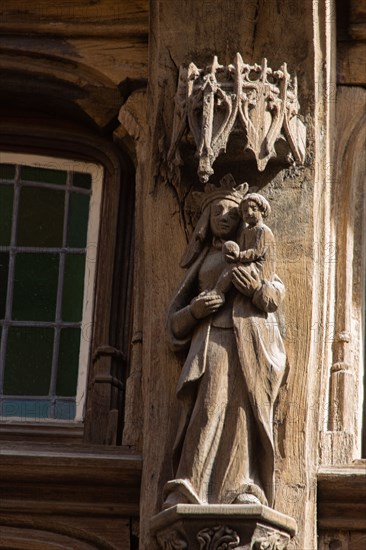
(253, 101)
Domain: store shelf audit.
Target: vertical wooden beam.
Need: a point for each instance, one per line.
(183, 31)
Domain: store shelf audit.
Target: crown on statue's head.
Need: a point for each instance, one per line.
(226, 190)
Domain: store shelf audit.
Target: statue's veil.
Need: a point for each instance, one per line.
(198, 239)
(227, 190)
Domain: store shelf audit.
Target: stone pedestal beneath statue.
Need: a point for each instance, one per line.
(216, 526)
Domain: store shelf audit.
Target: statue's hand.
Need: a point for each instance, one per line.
(231, 251)
(247, 283)
(205, 304)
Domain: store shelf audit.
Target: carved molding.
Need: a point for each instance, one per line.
(342, 438)
(131, 134)
(24, 533)
(218, 538)
(41, 75)
(132, 115)
(251, 101)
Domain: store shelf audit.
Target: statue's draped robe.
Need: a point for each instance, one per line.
(251, 345)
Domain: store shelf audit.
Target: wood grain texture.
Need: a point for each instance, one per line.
(79, 17)
(132, 135)
(351, 63)
(115, 58)
(297, 199)
(48, 498)
(357, 19)
(342, 497)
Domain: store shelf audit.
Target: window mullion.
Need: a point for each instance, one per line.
(60, 287)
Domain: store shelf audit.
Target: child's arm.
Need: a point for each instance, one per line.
(261, 246)
(251, 255)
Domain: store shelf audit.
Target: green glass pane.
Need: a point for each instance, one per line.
(81, 180)
(7, 171)
(72, 303)
(28, 361)
(6, 213)
(4, 265)
(78, 220)
(35, 287)
(43, 175)
(68, 362)
(41, 217)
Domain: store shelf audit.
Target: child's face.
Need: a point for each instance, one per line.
(251, 213)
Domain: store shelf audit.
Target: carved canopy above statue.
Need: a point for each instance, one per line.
(253, 101)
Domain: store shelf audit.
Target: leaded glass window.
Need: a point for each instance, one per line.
(49, 218)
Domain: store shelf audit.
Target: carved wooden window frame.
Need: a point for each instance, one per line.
(84, 146)
(347, 313)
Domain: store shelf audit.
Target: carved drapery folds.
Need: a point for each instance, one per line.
(252, 102)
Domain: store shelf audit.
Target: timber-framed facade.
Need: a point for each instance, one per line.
(95, 83)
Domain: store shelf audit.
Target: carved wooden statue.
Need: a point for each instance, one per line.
(223, 314)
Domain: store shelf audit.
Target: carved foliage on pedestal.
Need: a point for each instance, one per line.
(218, 538)
(251, 101)
(172, 540)
(268, 539)
(222, 537)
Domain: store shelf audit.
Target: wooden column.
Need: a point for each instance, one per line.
(184, 31)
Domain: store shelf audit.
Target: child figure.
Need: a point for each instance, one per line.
(255, 247)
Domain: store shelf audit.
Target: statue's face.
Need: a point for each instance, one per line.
(224, 218)
(251, 213)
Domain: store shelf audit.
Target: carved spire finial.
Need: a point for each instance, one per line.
(209, 103)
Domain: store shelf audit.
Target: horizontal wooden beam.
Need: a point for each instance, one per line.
(105, 18)
(342, 497)
(77, 479)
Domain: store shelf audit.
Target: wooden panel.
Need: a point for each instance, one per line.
(351, 63)
(357, 28)
(77, 17)
(62, 532)
(357, 541)
(89, 493)
(116, 59)
(60, 433)
(105, 37)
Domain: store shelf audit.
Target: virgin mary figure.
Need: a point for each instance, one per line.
(224, 450)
